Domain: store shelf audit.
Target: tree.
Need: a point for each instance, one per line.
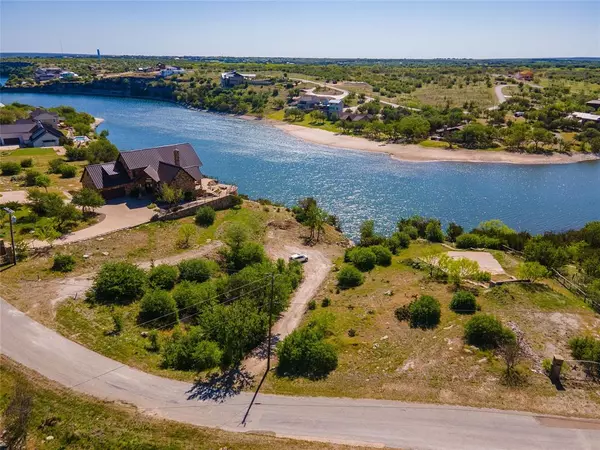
(468, 240)
(42, 181)
(349, 276)
(30, 176)
(397, 241)
(294, 114)
(66, 214)
(545, 252)
(87, 199)
(541, 136)
(197, 269)
(54, 165)
(511, 351)
(459, 268)
(158, 308)
(170, 195)
(363, 258)
(163, 276)
(185, 233)
(434, 232)
(305, 353)
(101, 150)
(487, 332)
(453, 231)
(205, 216)
(315, 220)
(532, 271)
(382, 254)
(425, 312)
(118, 282)
(236, 234)
(45, 204)
(413, 127)
(318, 117)
(10, 168)
(516, 135)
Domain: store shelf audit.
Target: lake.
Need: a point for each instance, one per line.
(267, 163)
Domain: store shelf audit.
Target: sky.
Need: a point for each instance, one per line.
(340, 29)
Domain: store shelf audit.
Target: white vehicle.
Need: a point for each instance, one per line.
(298, 257)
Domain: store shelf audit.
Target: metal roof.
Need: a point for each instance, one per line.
(142, 158)
(107, 175)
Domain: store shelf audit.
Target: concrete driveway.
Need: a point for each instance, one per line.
(13, 196)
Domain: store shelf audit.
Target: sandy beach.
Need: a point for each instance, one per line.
(417, 153)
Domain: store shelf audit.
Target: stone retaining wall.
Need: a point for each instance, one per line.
(190, 208)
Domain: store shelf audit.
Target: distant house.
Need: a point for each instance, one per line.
(526, 75)
(585, 117)
(28, 133)
(46, 117)
(47, 73)
(146, 169)
(335, 108)
(67, 75)
(171, 70)
(234, 78)
(594, 103)
(309, 102)
(354, 117)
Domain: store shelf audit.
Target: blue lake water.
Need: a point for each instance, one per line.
(265, 162)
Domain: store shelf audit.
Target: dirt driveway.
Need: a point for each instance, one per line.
(315, 272)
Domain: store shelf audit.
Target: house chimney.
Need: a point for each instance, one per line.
(176, 157)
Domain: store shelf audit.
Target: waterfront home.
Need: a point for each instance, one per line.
(146, 171)
(47, 73)
(171, 70)
(46, 117)
(334, 108)
(585, 117)
(28, 133)
(234, 78)
(354, 117)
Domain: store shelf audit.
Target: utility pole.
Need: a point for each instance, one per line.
(11, 218)
(270, 322)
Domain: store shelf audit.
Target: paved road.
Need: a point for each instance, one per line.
(393, 424)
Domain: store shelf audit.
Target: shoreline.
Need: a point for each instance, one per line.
(398, 152)
(417, 153)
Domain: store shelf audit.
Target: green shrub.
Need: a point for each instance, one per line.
(207, 355)
(27, 162)
(159, 307)
(63, 263)
(188, 196)
(349, 276)
(483, 276)
(463, 302)
(412, 232)
(76, 153)
(487, 332)
(383, 255)
(312, 305)
(118, 322)
(587, 349)
(30, 176)
(363, 258)
(163, 276)
(205, 216)
(433, 232)
(154, 339)
(55, 165)
(326, 302)
(425, 312)
(197, 269)
(468, 240)
(250, 253)
(68, 171)
(398, 240)
(119, 282)
(179, 351)
(192, 298)
(305, 353)
(10, 168)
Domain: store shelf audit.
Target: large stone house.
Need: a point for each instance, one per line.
(147, 170)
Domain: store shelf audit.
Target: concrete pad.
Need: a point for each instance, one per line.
(486, 261)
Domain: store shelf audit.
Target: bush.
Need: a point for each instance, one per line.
(118, 322)
(197, 269)
(487, 332)
(410, 230)
(76, 153)
(55, 165)
(63, 263)
(191, 298)
(383, 255)
(425, 312)
(119, 282)
(587, 349)
(349, 276)
(326, 302)
(398, 241)
(312, 305)
(468, 240)
(68, 171)
(188, 196)
(163, 276)
(433, 232)
(463, 302)
(250, 253)
(363, 258)
(159, 307)
(30, 176)
(483, 276)
(304, 353)
(10, 168)
(27, 162)
(207, 355)
(532, 271)
(154, 341)
(205, 216)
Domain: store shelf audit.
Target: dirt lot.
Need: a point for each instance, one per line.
(380, 357)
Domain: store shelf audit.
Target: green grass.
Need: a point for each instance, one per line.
(305, 122)
(436, 95)
(28, 152)
(79, 421)
(433, 144)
